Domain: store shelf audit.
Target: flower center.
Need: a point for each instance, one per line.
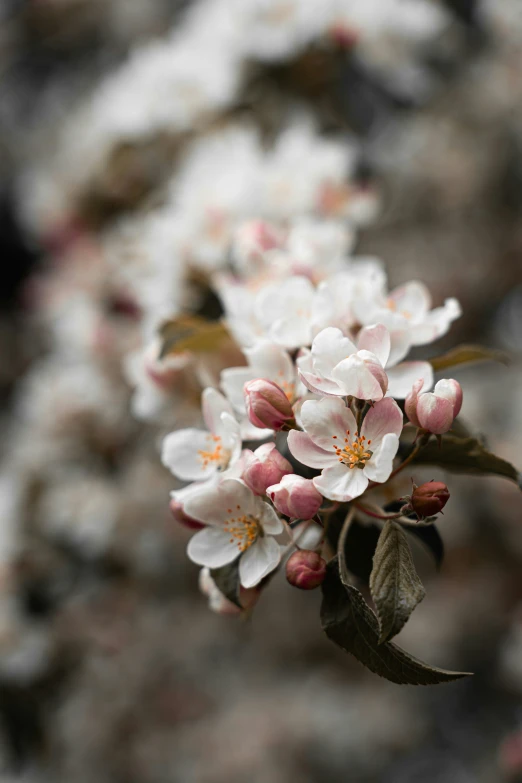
(354, 453)
(288, 388)
(218, 456)
(244, 529)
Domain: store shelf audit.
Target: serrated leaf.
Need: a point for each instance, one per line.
(465, 455)
(468, 354)
(349, 622)
(191, 333)
(227, 581)
(431, 538)
(394, 583)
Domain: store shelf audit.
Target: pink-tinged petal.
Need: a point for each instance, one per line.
(217, 503)
(361, 376)
(376, 340)
(410, 405)
(436, 323)
(319, 385)
(327, 421)
(271, 361)
(212, 547)
(213, 404)
(451, 390)
(232, 381)
(412, 300)
(400, 346)
(383, 418)
(258, 561)
(379, 467)
(402, 378)
(435, 414)
(180, 453)
(329, 348)
(306, 451)
(340, 483)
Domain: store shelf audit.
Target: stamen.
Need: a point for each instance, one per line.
(244, 531)
(218, 455)
(354, 454)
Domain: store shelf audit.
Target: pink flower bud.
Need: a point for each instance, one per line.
(295, 497)
(176, 509)
(429, 499)
(305, 569)
(267, 405)
(434, 411)
(263, 467)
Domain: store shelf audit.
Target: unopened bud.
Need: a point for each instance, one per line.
(263, 467)
(429, 499)
(305, 569)
(434, 411)
(268, 406)
(176, 509)
(295, 497)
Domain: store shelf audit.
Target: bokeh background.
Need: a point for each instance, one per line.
(134, 135)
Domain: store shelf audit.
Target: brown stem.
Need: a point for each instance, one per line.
(374, 515)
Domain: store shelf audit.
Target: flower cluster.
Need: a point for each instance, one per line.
(324, 376)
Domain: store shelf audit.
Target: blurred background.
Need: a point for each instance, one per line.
(134, 136)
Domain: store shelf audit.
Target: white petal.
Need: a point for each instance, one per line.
(258, 561)
(328, 349)
(232, 381)
(402, 378)
(436, 323)
(341, 483)
(211, 547)
(375, 339)
(268, 518)
(400, 346)
(328, 421)
(216, 503)
(379, 467)
(361, 376)
(271, 361)
(213, 404)
(384, 417)
(304, 449)
(230, 433)
(293, 331)
(412, 300)
(180, 454)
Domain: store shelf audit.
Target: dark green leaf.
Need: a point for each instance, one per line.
(227, 581)
(431, 538)
(465, 455)
(394, 583)
(349, 622)
(467, 354)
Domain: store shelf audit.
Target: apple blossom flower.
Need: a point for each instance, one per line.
(218, 602)
(295, 497)
(349, 458)
(434, 411)
(252, 240)
(263, 467)
(285, 310)
(192, 454)
(336, 367)
(305, 569)
(408, 307)
(267, 405)
(238, 523)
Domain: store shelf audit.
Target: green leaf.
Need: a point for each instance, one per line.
(349, 622)
(359, 549)
(468, 354)
(394, 583)
(465, 455)
(227, 581)
(191, 333)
